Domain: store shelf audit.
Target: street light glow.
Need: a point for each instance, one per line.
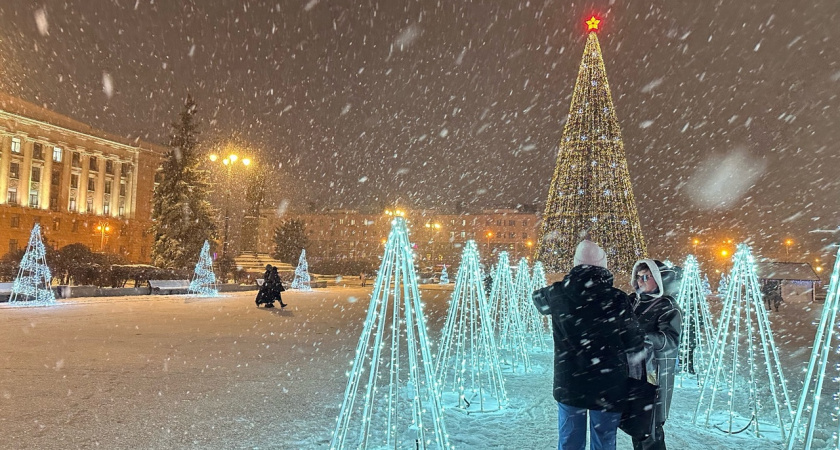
(233, 158)
(246, 161)
(214, 157)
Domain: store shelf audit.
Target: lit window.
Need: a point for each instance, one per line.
(58, 154)
(36, 175)
(15, 145)
(33, 199)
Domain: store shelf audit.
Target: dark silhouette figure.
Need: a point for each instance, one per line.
(271, 288)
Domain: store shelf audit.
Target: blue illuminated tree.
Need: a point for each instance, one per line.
(392, 399)
(538, 280)
(803, 430)
(302, 279)
(507, 317)
(444, 277)
(468, 366)
(533, 322)
(722, 286)
(204, 279)
(697, 328)
(707, 287)
(744, 362)
(32, 284)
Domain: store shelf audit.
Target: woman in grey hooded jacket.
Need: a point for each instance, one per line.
(660, 319)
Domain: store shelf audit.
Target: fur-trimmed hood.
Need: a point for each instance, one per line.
(652, 265)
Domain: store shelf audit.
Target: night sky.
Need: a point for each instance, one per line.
(729, 110)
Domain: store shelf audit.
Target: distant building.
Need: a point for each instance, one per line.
(81, 184)
(798, 280)
(437, 237)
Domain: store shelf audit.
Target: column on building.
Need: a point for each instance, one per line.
(5, 157)
(46, 176)
(99, 195)
(83, 181)
(64, 184)
(131, 188)
(25, 174)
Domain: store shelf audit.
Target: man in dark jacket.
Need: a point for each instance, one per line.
(661, 320)
(594, 333)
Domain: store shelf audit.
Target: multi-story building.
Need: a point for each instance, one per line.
(82, 185)
(438, 237)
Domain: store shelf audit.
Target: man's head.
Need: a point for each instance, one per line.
(268, 267)
(588, 253)
(644, 282)
(655, 278)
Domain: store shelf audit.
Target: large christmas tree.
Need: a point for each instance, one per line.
(590, 191)
(182, 215)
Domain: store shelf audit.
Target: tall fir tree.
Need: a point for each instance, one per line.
(289, 240)
(590, 191)
(181, 211)
(255, 195)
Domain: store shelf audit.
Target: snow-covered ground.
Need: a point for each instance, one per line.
(186, 372)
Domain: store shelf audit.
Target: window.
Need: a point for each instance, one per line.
(525, 223)
(122, 188)
(58, 154)
(89, 208)
(499, 222)
(38, 151)
(75, 227)
(74, 180)
(15, 222)
(91, 183)
(56, 177)
(72, 208)
(108, 184)
(36, 175)
(524, 235)
(93, 164)
(14, 170)
(76, 160)
(15, 145)
(125, 170)
(463, 222)
(33, 198)
(11, 195)
(512, 235)
(511, 223)
(122, 209)
(106, 209)
(53, 201)
(109, 167)
(56, 224)
(13, 245)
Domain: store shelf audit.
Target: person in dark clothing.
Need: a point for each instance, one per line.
(661, 320)
(597, 344)
(262, 294)
(275, 288)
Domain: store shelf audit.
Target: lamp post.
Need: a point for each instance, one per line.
(229, 161)
(489, 235)
(102, 228)
(695, 241)
(788, 243)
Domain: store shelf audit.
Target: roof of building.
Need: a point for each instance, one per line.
(773, 270)
(18, 107)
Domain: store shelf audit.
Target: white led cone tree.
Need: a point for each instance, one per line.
(745, 387)
(32, 284)
(204, 279)
(534, 323)
(468, 366)
(813, 410)
(507, 318)
(697, 328)
(302, 281)
(392, 399)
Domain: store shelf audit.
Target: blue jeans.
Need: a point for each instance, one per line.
(571, 422)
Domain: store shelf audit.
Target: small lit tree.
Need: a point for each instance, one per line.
(302, 279)
(507, 317)
(32, 284)
(744, 348)
(444, 277)
(204, 279)
(392, 399)
(468, 361)
(696, 337)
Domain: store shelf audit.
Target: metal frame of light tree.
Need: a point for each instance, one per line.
(742, 302)
(392, 374)
(32, 284)
(590, 191)
(204, 279)
(535, 330)
(507, 318)
(468, 359)
(538, 281)
(816, 371)
(696, 315)
(302, 279)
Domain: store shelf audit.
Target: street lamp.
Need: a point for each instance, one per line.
(788, 243)
(489, 235)
(229, 161)
(695, 242)
(102, 228)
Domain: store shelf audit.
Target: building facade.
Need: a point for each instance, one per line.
(82, 185)
(437, 237)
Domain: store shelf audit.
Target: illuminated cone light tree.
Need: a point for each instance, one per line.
(32, 284)
(532, 320)
(538, 281)
(204, 280)
(468, 360)
(444, 277)
(696, 336)
(802, 434)
(392, 398)
(302, 279)
(590, 191)
(745, 386)
(507, 317)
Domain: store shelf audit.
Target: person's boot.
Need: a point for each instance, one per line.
(269, 305)
(283, 305)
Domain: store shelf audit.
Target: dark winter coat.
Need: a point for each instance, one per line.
(594, 329)
(661, 320)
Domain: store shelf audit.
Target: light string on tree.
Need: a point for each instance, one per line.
(32, 284)
(203, 282)
(507, 317)
(697, 327)
(302, 279)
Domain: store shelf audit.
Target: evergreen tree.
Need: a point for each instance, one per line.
(590, 191)
(302, 279)
(255, 194)
(182, 215)
(289, 240)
